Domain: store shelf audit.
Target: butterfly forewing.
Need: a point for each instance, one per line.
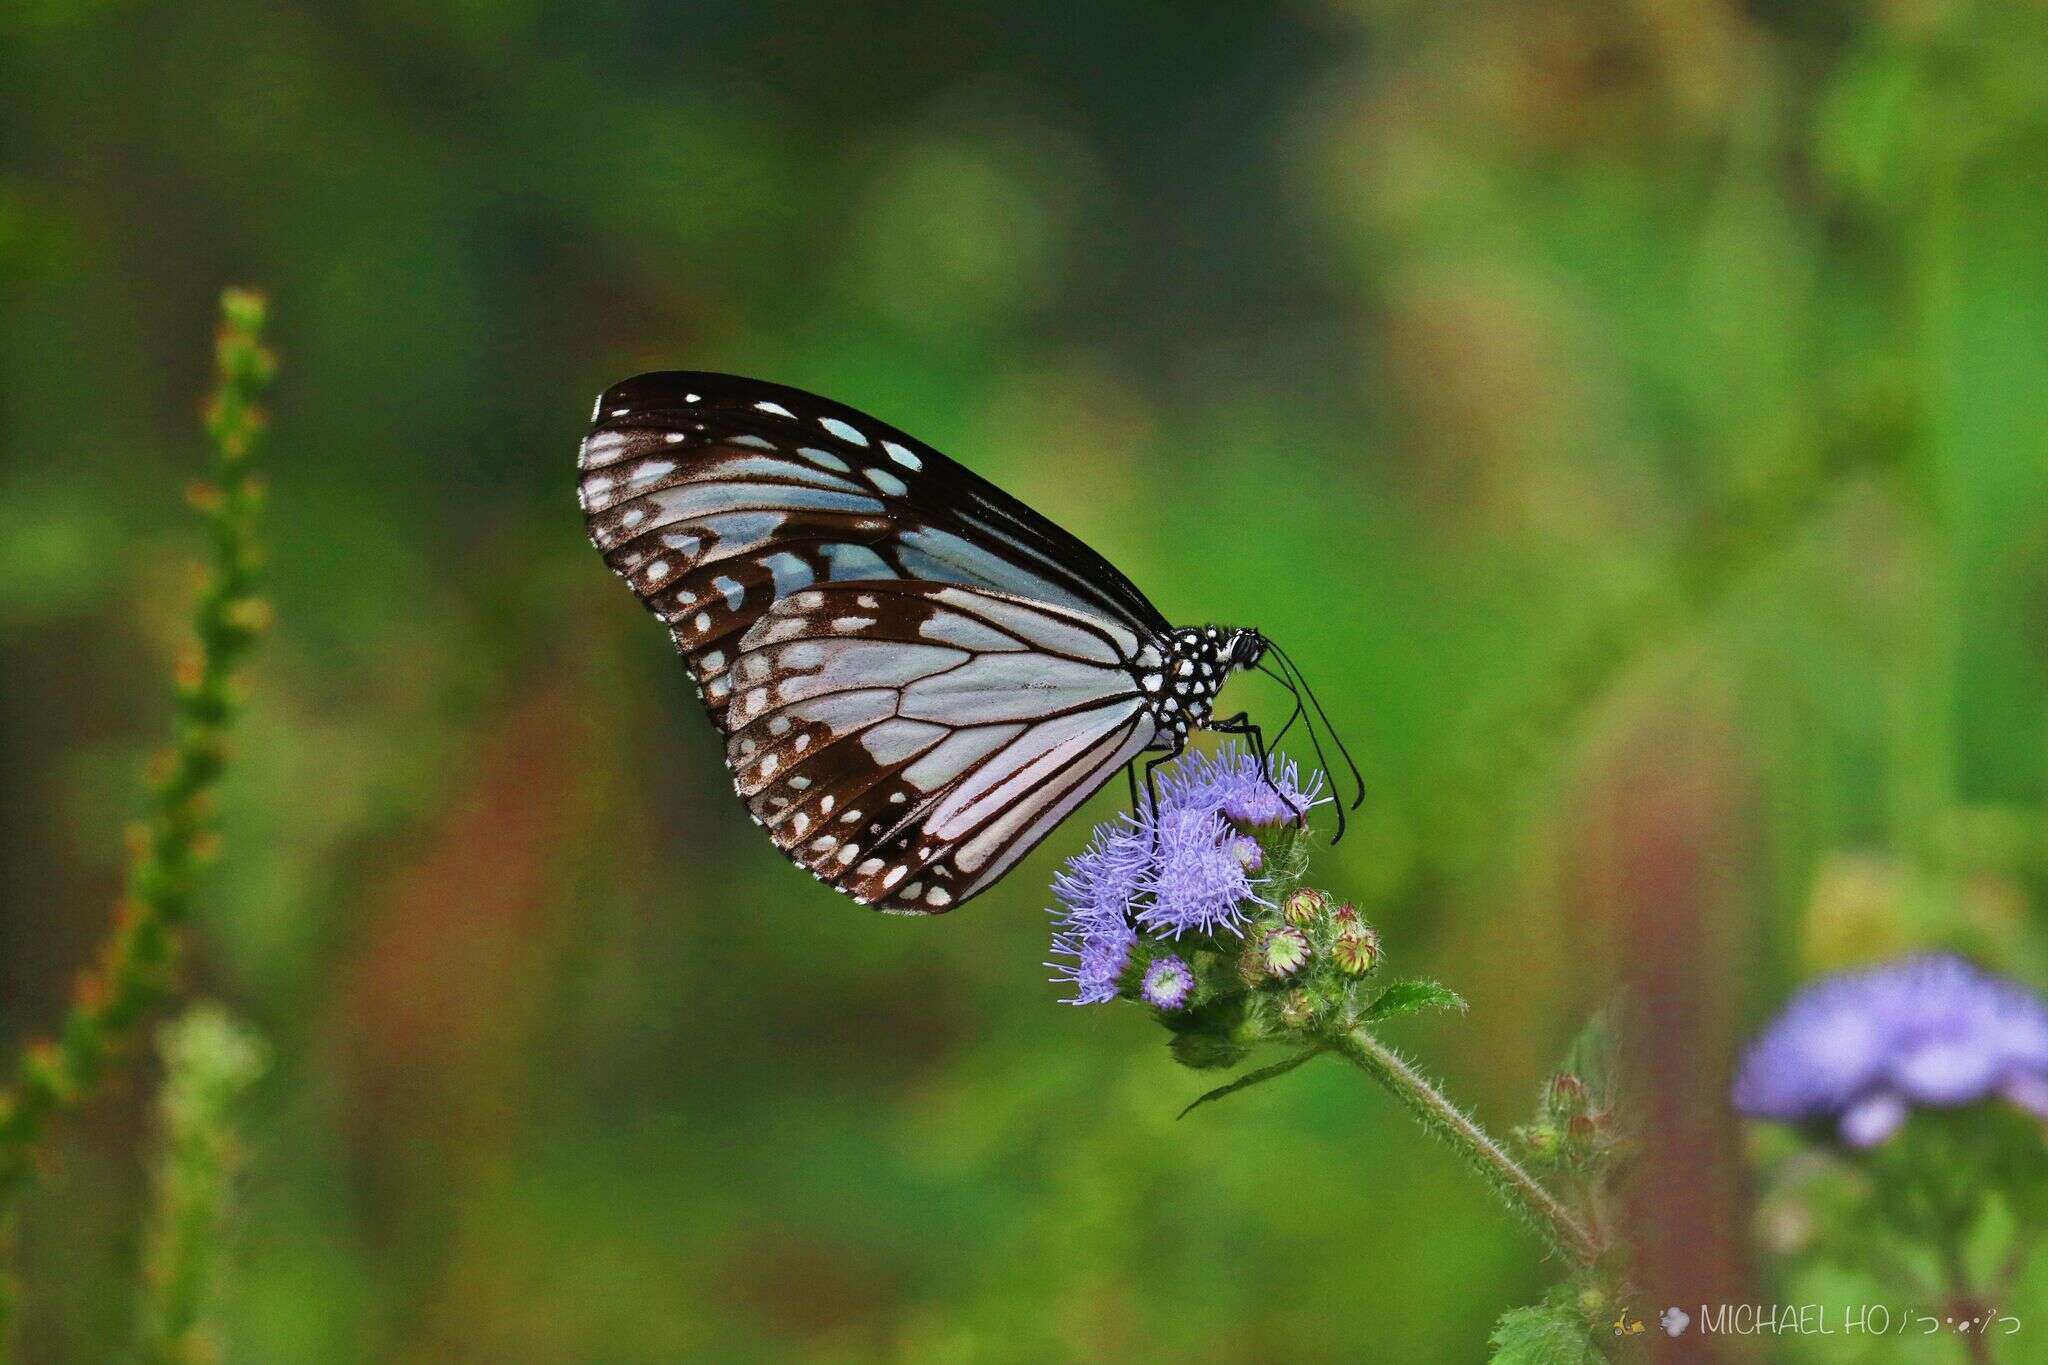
(909, 741)
(714, 496)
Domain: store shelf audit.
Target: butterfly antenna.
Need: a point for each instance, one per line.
(1271, 747)
(1308, 724)
(1357, 777)
(1293, 716)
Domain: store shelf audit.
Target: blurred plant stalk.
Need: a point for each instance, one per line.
(175, 839)
(210, 1062)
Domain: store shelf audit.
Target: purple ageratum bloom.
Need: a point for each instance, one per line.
(1194, 880)
(1231, 784)
(1169, 983)
(1093, 927)
(1184, 868)
(1863, 1049)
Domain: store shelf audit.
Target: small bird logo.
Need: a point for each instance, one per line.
(1675, 1320)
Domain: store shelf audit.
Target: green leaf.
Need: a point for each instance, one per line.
(1411, 997)
(1595, 1055)
(1206, 1052)
(1547, 1335)
(1252, 1078)
(1206, 1037)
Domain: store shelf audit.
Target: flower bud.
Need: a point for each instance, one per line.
(1346, 917)
(1284, 951)
(1297, 1009)
(1169, 983)
(1565, 1095)
(1251, 961)
(1357, 950)
(1305, 905)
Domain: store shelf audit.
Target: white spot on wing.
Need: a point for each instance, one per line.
(776, 408)
(845, 431)
(902, 456)
(825, 458)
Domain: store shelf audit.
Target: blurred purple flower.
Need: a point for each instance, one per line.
(1863, 1049)
(1169, 983)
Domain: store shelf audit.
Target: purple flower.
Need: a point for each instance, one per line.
(1230, 783)
(1184, 868)
(1093, 927)
(1863, 1049)
(1193, 879)
(1169, 982)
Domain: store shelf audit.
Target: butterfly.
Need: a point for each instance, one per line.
(917, 676)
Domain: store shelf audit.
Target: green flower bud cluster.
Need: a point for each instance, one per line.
(1304, 962)
(1299, 966)
(1575, 1129)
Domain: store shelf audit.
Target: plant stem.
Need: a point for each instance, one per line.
(175, 839)
(1518, 1189)
(210, 1061)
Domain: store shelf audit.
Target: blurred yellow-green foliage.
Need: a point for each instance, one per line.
(1630, 413)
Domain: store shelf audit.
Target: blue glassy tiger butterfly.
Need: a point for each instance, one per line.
(916, 675)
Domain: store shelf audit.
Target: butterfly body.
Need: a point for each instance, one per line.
(1184, 685)
(917, 676)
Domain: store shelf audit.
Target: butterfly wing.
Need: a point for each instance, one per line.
(715, 497)
(908, 742)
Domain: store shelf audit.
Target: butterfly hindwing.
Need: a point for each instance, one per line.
(909, 741)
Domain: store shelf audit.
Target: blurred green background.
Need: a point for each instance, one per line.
(1631, 414)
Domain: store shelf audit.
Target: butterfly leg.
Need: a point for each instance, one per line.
(1152, 788)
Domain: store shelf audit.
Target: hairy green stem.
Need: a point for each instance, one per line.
(1518, 1189)
(175, 839)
